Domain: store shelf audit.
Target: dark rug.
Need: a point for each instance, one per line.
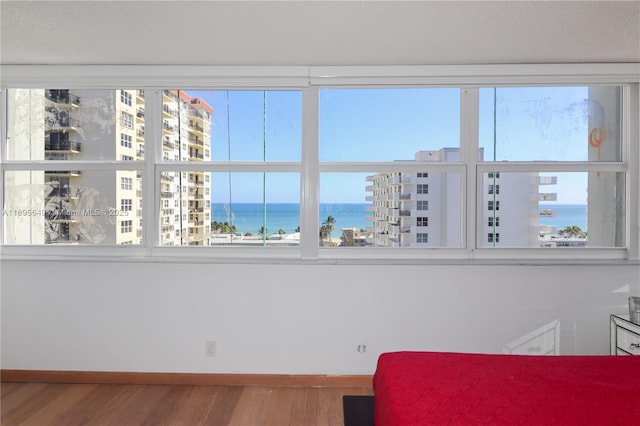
(358, 410)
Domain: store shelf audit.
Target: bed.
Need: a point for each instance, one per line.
(438, 388)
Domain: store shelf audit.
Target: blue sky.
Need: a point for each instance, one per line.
(392, 124)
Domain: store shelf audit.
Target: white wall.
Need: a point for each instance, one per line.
(303, 318)
(294, 319)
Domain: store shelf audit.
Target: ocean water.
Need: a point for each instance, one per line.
(566, 215)
(248, 217)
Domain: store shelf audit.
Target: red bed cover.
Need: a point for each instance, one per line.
(435, 388)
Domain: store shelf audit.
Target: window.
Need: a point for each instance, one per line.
(550, 143)
(126, 119)
(49, 203)
(246, 206)
(126, 226)
(422, 205)
(387, 128)
(125, 140)
(126, 98)
(126, 183)
(556, 158)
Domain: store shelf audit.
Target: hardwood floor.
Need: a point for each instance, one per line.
(39, 404)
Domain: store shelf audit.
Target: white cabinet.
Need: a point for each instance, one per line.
(625, 336)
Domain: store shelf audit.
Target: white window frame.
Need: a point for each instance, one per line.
(126, 98)
(310, 79)
(126, 183)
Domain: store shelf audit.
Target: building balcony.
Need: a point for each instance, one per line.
(64, 192)
(166, 127)
(63, 172)
(168, 144)
(61, 122)
(547, 213)
(59, 141)
(170, 95)
(168, 112)
(57, 156)
(140, 133)
(140, 94)
(545, 180)
(62, 97)
(63, 238)
(544, 196)
(194, 113)
(401, 180)
(404, 213)
(194, 140)
(57, 216)
(194, 155)
(543, 229)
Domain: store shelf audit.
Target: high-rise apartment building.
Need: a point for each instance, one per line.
(104, 207)
(424, 209)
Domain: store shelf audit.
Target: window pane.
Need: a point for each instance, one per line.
(387, 124)
(231, 125)
(552, 210)
(72, 207)
(74, 124)
(203, 209)
(550, 123)
(389, 209)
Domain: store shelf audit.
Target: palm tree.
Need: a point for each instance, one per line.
(572, 231)
(326, 229)
(262, 231)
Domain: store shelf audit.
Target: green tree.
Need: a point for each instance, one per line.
(326, 229)
(572, 231)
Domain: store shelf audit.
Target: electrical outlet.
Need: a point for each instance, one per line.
(210, 348)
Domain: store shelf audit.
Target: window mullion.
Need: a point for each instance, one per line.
(151, 181)
(469, 137)
(310, 177)
(630, 154)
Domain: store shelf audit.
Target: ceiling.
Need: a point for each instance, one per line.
(318, 32)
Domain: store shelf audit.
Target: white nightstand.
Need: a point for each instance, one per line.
(625, 336)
